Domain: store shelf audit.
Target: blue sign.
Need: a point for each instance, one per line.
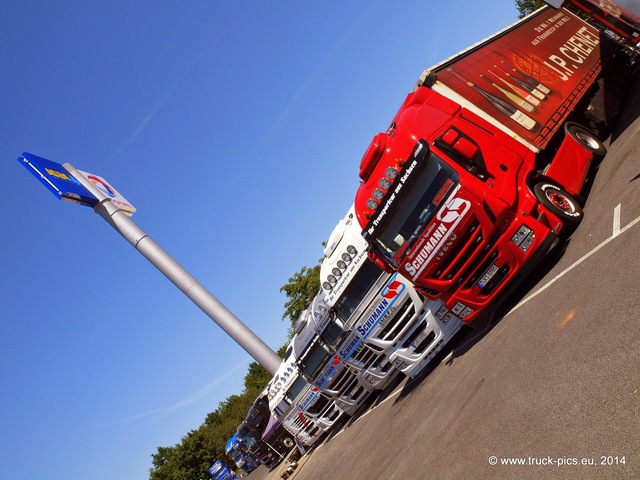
(58, 180)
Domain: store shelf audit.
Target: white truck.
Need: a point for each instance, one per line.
(388, 318)
(363, 329)
(289, 388)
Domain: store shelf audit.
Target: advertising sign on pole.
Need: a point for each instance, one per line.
(110, 192)
(70, 184)
(58, 180)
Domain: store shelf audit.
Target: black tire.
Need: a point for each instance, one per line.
(586, 138)
(561, 203)
(288, 443)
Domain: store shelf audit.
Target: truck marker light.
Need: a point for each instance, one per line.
(377, 194)
(384, 183)
(391, 173)
(337, 272)
(372, 204)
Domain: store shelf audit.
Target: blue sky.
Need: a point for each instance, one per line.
(236, 129)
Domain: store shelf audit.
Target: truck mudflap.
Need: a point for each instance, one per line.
(571, 163)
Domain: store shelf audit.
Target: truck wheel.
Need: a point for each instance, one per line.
(586, 138)
(288, 442)
(561, 204)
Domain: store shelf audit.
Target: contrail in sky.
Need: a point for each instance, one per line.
(169, 409)
(144, 123)
(292, 105)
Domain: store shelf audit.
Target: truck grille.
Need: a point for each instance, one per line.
(460, 253)
(365, 356)
(341, 380)
(424, 343)
(468, 259)
(400, 320)
(303, 423)
(324, 408)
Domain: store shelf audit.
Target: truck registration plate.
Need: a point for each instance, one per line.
(419, 339)
(488, 275)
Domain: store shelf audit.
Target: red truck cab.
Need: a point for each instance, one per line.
(456, 216)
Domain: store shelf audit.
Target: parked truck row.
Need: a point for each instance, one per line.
(480, 173)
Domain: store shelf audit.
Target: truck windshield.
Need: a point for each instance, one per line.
(353, 295)
(248, 438)
(334, 333)
(413, 211)
(296, 388)
(316, 358)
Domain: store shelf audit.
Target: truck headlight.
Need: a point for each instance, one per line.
(390, 173)
(443, 314)
(466, 312)
(442, 311)
(523, 238)
(461, 310)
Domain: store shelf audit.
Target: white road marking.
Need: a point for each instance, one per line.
(616, 221)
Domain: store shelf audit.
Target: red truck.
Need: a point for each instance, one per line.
(481, 170)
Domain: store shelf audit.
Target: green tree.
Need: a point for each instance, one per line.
(525, 7)
(256, 379)
(300, 291)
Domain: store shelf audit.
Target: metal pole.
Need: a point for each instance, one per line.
(209, 304)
